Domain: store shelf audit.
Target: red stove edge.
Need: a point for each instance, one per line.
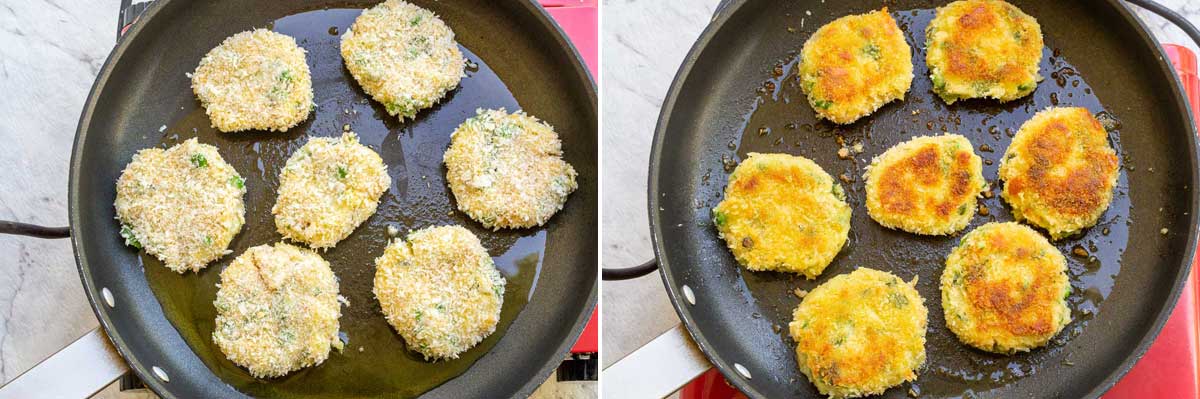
(580, 20)
(1170, 368)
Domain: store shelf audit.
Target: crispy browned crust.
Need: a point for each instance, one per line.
(1059, 172)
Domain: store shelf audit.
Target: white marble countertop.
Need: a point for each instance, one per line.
(50, 53)
(641, 54)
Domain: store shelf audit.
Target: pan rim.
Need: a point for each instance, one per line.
(148, 378)
(722, 15)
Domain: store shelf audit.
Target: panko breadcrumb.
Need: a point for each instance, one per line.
(440, 290)
(1004, 289)
(983, 48)
(1060, 171)
(327, 188)
(277, 310)
(852, 66)
(926, 185)
(255, 80)
(860, 333)
(506, 170)
(183, 205)
(404, 56)
(783, 213)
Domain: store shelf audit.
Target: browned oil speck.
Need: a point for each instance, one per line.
(380, 364)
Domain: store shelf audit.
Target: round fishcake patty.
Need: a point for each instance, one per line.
(783, 213)
(440, 290)
(926, 185)
(860, 333)
(255, 80)
(852, 66)
(277, 310)
(506, 170)
(1060, 171)
(983, 48)
(1005, 289)
(183, 204)
(327, 188)
(402, 55)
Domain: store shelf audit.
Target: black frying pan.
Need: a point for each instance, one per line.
(1098, 56)
(519, 59)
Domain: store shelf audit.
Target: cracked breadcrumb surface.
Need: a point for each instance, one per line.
(403, 56)
(860, 333)
(277, 310)
(327, 188)
(255, 80)
(506, 170)
(983, 48)
(440, 290)
(1005, 288)
(1060, 172)
(926, 185)
(183, 204)
(783, 213)
(852, 66)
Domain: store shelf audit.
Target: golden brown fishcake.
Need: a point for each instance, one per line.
(1005, 289)
(783, 213)
(506, 170)
(327, 188)
(852, 66)
(404, 56)
(277, 310)
(1060, 172)
(440, 290)
(255, 80)
(860, 333)
(927, 185)
(983, 48)
(183, 205)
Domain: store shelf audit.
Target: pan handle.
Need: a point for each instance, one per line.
(1170, 15)
(627, 273)
(33, 230)
(78, 371)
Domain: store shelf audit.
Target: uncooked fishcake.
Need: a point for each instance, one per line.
(852, 66)
(861, 333)
(1005, 289)
(783, 213)
(983, 48)
(183, 204)
(1059, 172)
(927, 185)
(255, 80)
(277, 310)
(440, 290)
(506, 170)
(327, 188)
(402, 55)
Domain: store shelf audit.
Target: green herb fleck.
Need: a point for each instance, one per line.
(237, 181)
(130, 238)
(418, 316)
(719, 218)
(939, 83)
(1025, 86)
(871, 50)
(285, 76)
(962, 209)
(341, 172)
(823, 104)
(199, 161)
(898, 300)
(415, 20)
(207, 240)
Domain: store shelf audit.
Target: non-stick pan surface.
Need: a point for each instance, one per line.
(517, 60)
(736, 93)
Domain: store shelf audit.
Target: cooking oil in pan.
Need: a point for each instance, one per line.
(781, 120)
(375, 361)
